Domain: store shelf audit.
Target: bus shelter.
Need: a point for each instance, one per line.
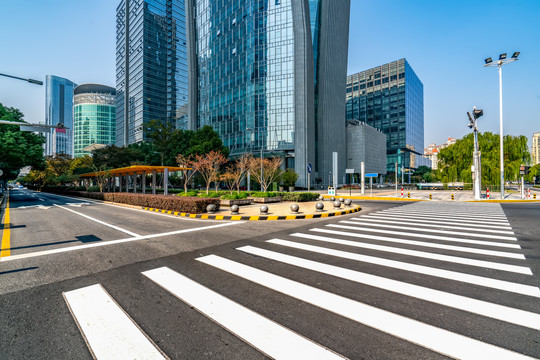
(120, 179)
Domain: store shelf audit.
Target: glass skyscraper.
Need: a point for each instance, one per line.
(390, 98)
(94, 114)
(151, 66)
(254, 70)
(59, 110)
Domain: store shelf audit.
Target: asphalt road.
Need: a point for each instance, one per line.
(414, 281)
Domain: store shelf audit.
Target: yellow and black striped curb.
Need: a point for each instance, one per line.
(255, 217)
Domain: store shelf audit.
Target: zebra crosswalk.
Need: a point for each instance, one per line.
(415, 257)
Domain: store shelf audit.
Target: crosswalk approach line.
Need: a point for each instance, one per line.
(479, 307)
(414, 219)
(425, 244)
(434, 231)
(454, 216)
(108, 331)
(511, 245)
(446, 211)
(508, 286)
(423, 254)
(270, 338)
(428, 336)
(442, 218)
(406, 222)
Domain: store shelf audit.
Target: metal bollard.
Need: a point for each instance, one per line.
(534, 196)
(408, 195)
(452, 196)
(430, 197)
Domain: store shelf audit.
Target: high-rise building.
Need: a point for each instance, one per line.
(269, 76)
(535, 149)
(390, 98)
(94, 115)
(59, 111)
(151, 67)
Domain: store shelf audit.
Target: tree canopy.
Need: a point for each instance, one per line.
(17, 148)
(455, 161)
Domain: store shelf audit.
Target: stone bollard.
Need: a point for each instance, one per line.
(337, 205)
(341, 200)
(211, 208)
(332, 199)
(264, 210)
(320, 198)
(319, 206)
(295, 208)
(348, 202)
(234, 210)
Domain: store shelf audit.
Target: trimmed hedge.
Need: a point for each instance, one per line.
(299, 196)
(192, 205)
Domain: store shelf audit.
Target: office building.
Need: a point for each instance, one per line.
(270, 76)
(535, 149)
(390, 98)
(151, 67)
(59, 111)
(367, 145)
(94, 115)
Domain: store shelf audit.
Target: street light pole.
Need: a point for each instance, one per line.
(31, 81)
(477, 188)
(489, 62)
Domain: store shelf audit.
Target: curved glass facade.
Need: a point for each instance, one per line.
(151, 66)
(94, 114)
(59, 110)
(245, 70)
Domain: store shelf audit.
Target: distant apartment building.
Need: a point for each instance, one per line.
(390, 98)
(59, 111)
(151, 67)
(94, 114)
(535, 149)
(432, 151)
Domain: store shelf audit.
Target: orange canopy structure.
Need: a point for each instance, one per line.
(135, 170)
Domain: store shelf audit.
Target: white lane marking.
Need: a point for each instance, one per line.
(428, 336)
(100, 222)
(420, 228)
(43, 207)
(404, 222)
(422, 254)
(40, 199)
(113, 242)
(480, 307)
(424, 243)
(453, 216)
(425, 236)
(415, 219)
(109, 332)
(420, 269)
(273, 339)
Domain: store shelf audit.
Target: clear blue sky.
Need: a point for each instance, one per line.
(444, 41)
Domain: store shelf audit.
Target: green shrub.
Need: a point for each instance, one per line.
(192, 205)
(235, 196)
(189, 193)
(289, 178)
(93, 189)
(80, 188)
(300, 197)
(264, 194)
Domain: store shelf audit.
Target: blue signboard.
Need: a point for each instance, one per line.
(372, 174)
(309, 168)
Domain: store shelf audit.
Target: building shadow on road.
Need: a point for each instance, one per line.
(85, 239)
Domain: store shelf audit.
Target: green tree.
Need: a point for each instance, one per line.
(113, 157)
(17, 148)
(455, 161)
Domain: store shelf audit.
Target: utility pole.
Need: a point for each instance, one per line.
(473, 124)
(396, 179)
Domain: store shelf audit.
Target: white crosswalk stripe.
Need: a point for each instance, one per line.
(466, 279)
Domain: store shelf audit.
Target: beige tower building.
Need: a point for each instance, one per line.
(535, 150)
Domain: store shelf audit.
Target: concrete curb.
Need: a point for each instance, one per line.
(256, 218)
(504, 201)
(373, 198)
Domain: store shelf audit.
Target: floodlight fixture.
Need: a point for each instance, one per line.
(502, 56)
(478, 113)
(515, 55)
(488, 60)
